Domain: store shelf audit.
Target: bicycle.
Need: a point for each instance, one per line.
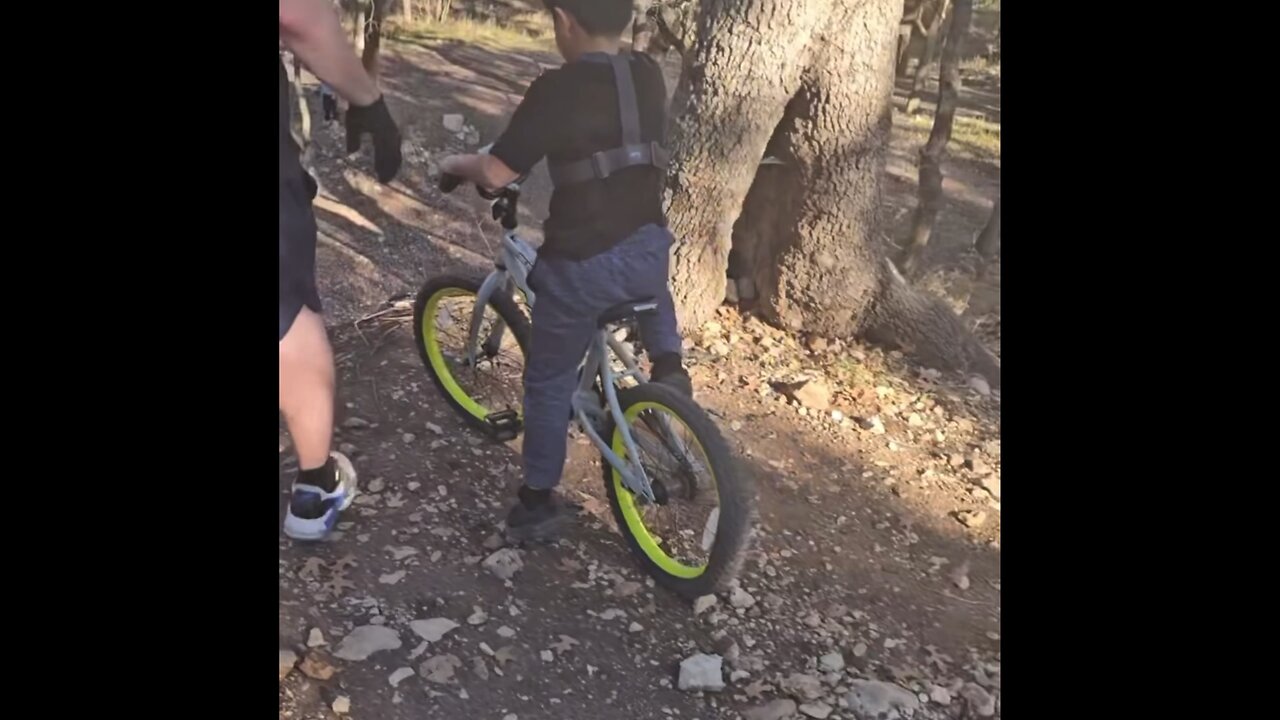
(614, 405)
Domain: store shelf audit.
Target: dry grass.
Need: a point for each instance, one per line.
(972, 137)
(527, 32)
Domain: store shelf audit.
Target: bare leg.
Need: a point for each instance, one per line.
(307, 388)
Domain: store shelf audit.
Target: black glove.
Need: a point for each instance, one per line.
(376, 120)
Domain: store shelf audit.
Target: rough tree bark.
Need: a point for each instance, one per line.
(406, 11)
(935, 149)
(809, 82)
(932, 38)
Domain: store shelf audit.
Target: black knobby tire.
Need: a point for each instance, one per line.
(516, 321)
(736, 495)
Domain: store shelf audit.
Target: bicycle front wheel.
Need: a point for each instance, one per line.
(475, 380)
(692, 538)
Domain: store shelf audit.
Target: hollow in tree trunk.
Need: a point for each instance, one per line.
(809, 229)
(933, 153)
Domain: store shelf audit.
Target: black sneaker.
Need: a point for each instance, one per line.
(537, 516)
(668, 370)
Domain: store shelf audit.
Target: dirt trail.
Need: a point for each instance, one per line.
(878, 536)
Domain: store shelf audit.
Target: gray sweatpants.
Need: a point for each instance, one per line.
(570, 296)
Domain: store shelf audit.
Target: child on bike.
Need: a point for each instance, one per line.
(599, 120)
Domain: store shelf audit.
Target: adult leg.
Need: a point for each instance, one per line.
(326, 481)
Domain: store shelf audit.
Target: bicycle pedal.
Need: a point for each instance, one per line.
(504, 425)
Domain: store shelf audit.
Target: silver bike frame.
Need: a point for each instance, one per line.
(516, 261)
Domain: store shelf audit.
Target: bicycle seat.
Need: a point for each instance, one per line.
(626, 311)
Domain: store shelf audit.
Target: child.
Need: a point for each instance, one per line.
(599, 120)
(329, 102)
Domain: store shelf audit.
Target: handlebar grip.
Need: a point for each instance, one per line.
(449, 183)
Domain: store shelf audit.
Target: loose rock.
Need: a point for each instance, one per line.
(440, 668)
(453, 122)
(434, 629)
(779, 709)
(627, 588)
(813, 394)
(981, 702)
(740, 598)
(980, 385)
(831, 662)
(342, 705)
(818, 710)
(316, 667)
(803, 686)
(870, 698)
(367, 640)
(940, 695)
(704, 603)
(400, 675)
(316, 638)
(991, 484)
(701, 672)
(504, 563)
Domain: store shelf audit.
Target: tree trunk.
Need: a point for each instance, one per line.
(988, 242)
(373, 39)
(932, 38)
(358, 32)
(641, 27)
(733, 111)
(934, 151)
(406, 11)
(810, 228)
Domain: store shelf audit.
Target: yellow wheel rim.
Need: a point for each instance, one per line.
(631, 511)
(435, 355)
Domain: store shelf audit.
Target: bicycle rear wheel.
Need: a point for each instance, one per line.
(692, 539)
(441, 327)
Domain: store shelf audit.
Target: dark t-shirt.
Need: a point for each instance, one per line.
(289, 152)
(568, 114)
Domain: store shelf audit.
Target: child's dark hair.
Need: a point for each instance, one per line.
(605, 18)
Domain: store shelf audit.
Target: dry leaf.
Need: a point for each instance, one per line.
(565, 645)
(504, 655)
(311, 569)
(439, 668)
(315, 666)
(337, 585)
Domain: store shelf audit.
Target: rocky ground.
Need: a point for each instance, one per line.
(872, 588)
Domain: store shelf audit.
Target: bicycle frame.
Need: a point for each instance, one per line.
(515, 262)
